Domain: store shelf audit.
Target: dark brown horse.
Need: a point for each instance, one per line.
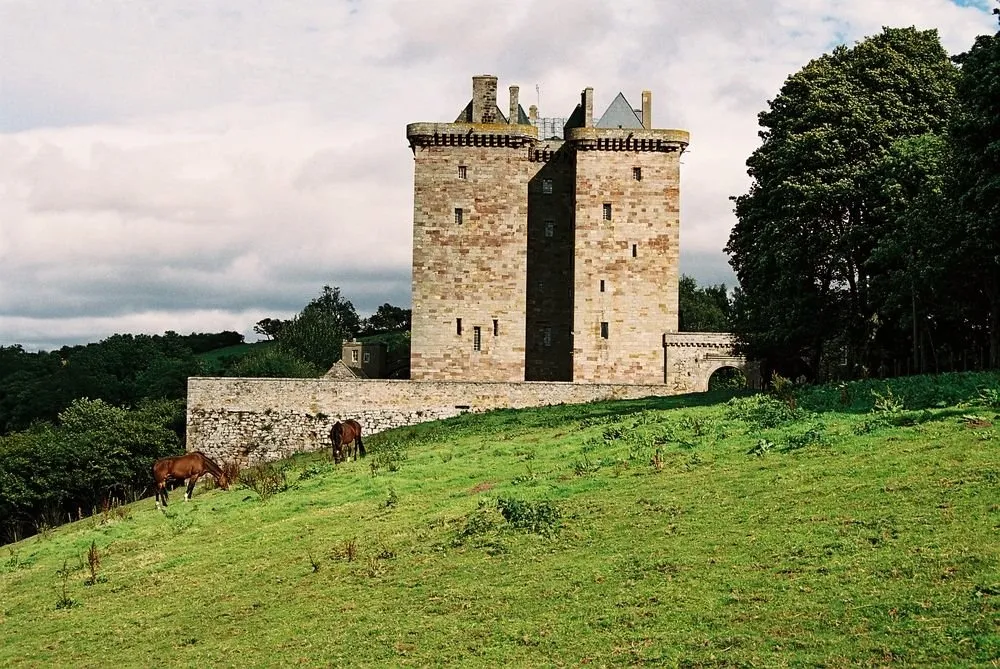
(346, 438)
(190, 466)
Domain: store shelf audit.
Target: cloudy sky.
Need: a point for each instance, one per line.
(197, 165)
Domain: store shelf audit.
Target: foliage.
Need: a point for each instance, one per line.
(702, 309)
(760, 411)
(266, 480)
(976, 138)
(316, 335)
(273, 362)
(540, 517)
(806, 247)
(122, 370)
(270, 327)
(386, 318)
(96, 452)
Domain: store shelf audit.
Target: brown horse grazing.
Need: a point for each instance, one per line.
(346, 438)
(189, 466)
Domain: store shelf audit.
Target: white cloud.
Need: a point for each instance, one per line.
(199, 166)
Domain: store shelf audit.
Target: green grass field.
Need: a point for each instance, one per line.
(693, 531)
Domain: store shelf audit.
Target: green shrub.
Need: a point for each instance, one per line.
(760, 411)
(266, 480)
(541, 517)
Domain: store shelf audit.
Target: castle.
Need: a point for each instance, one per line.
(544, 249)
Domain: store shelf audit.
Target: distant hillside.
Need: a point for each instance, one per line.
(858, 528)
(216, 359)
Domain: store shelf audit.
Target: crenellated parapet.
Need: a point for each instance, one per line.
(628, 139)
(471, 134)
(699, 339)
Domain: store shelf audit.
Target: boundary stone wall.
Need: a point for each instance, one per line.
(252, 420)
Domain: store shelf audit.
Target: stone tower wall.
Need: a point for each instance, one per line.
(474, 270)
(635, 253)
(549, 291)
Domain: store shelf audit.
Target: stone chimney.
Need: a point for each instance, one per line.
(647, 110)
(587, 101)
(484, 99)
(513, 118)
(533, 114)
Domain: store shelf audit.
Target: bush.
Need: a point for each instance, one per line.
(97, 452)
(266, 480)
(386, 453)
(760, 411)
(541, 517)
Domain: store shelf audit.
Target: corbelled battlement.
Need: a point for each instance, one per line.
(628, 139)
(470, 134)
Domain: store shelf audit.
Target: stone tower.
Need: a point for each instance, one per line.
(544, 249)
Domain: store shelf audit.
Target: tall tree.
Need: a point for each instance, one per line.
(387, 318)
(702, 309)
(802, 246)
(317, 334)
(976, 138)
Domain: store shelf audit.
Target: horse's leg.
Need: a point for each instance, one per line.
(163, 493)
(190, 490)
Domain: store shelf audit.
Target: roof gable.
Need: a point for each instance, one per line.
(619, 115)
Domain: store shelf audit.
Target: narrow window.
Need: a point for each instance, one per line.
(547, 186)
(463, 172)
(458, 216)
(604, 330)
(550, 228)
(637, 173)
(458, 326)
(602, 285)
(607, 211)
(354, 355)
(635, 250)
(496, 328)
(546, 336)
(368, 356)
(477, 338)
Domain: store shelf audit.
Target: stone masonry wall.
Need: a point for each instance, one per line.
(259, 420)
(474, 270)
(635, 253)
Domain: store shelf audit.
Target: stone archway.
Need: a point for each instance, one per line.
(690, 359)
(727, 377)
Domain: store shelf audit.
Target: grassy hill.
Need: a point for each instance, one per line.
(858, 529)
(216, 359)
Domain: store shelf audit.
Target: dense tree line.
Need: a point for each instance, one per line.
(869, 242)
(122, 370)
(92, 456)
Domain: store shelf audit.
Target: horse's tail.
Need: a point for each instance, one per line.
(361, 445)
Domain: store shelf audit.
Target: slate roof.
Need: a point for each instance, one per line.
(619, 115)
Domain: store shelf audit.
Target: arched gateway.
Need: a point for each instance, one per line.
(690, 359)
